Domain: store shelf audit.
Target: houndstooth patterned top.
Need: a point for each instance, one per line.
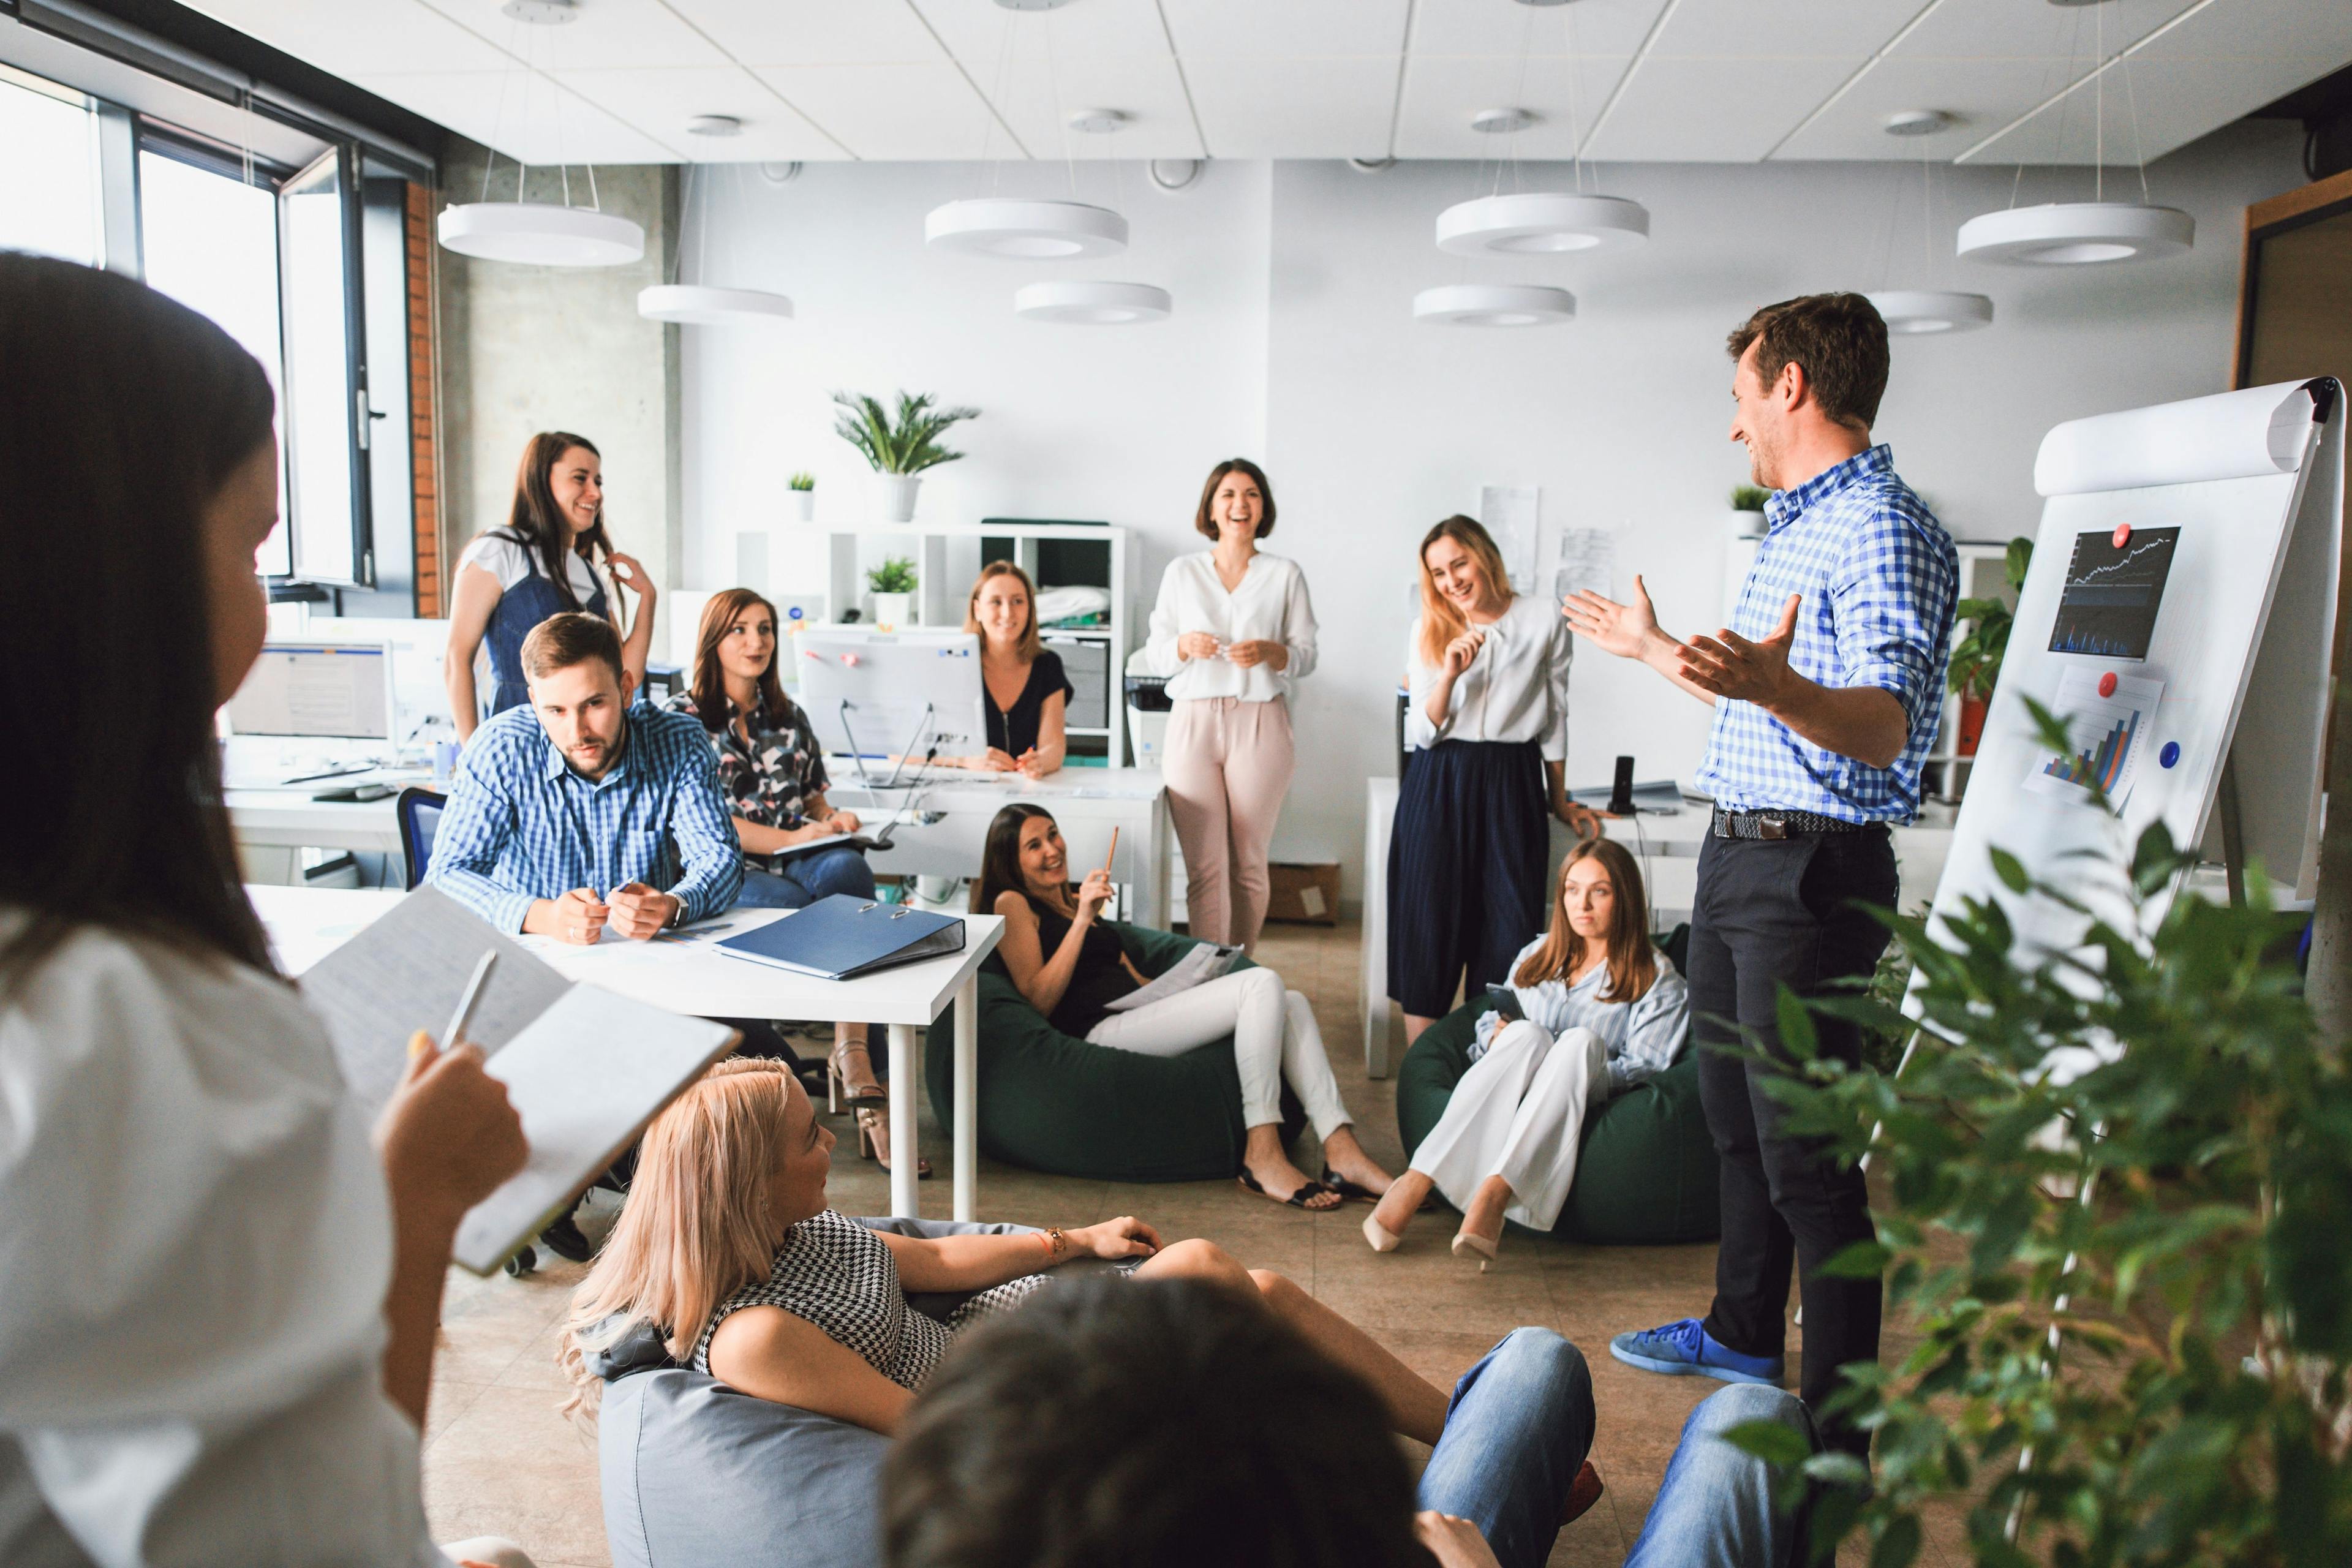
(838, 1275)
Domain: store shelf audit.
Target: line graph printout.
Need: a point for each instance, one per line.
(2108, 733)
(2112, 594)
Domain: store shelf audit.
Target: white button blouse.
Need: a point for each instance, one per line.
(1515, 689)
(1270, 605)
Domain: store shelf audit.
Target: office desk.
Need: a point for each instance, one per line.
(1086, 804)
(271, 824)
(687, 974)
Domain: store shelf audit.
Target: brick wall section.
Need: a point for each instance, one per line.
(431, 603)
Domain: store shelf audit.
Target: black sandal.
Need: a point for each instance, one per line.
(1349, 1192)
(1297, 1199)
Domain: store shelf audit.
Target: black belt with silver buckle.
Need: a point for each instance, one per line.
(1778, 825)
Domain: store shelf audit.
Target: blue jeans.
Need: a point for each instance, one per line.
(1715, 1509)
(1517, 1430)
(805, 878)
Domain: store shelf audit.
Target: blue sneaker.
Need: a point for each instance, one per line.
(1683, 1348)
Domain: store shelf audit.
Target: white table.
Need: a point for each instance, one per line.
(1086, 804)
(271, 824)
(688, 975)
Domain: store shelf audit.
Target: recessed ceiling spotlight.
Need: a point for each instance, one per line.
(541, 10)
(1033, 5)
(1099, 122)
(714, 125)
(2067, 3)
(1918, 122)
(1502, 121)
(1543, 2)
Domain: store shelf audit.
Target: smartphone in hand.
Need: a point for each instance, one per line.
(1506, 1003)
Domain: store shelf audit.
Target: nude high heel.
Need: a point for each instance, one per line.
(1383, 1239)
(1469, 1244)
(849, 1076)
(874, 1141)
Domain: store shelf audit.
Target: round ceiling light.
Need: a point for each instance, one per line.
(541, 234)
(1540, 223)
(1025, 231)
(700, 305)
(1502, 121)
(539, 10)
(1916, 313)
(1495, 305)
(2074, 234)
(1099, 122)
(1093, 304)
(1916, 122)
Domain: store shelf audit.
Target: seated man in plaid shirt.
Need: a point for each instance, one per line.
(1827, 688)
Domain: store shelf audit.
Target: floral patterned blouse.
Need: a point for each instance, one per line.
(766, 781)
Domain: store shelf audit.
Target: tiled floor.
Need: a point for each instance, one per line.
(499, 1458)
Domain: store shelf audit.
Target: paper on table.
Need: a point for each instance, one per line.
(1202, 965)
(586, 1075)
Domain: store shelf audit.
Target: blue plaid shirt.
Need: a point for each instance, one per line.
(523, 826)
(1879, 577)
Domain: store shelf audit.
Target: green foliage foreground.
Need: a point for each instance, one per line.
(2132, 1288)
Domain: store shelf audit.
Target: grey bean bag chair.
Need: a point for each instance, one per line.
(698, 1475)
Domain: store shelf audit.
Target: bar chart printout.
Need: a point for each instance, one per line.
(2109, 734)
(2113, 591)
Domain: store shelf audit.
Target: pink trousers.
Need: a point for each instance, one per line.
(1229, 765)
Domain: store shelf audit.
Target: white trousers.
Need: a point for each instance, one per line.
(1518, 1113)
(494, 1549)
(1274, 1037)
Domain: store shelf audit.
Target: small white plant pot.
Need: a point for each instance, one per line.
(899, 496)
(805, 506)
(892, 611)
(1748, 525)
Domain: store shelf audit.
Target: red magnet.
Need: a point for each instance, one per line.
(2123, 534)
(851, 659)
(2108, 684)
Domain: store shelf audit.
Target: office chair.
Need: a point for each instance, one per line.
(419, 811)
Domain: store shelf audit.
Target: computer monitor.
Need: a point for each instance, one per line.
(874, 694)
(327, 690)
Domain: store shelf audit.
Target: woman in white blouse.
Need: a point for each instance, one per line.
(1486, 732)
(1602, 1009)
(218, 1294)
(1232, 631)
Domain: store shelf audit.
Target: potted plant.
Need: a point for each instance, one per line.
(893, 583)
(1748, 510)
(1976, 657)
(805, 496)
(899, 449)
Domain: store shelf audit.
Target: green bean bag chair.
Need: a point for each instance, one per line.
(1646, 1172)
(1051, 1102)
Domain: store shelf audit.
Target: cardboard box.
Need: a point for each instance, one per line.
(1307, 895)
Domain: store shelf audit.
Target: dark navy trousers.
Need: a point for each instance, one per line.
(1466, 862)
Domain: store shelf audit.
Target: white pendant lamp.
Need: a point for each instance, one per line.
(1025, 230)
(541, 234)
(2076, 234)
(700, 305)
(1541, 223)
(1915, 313)
(1093, 304)
(1495, 305)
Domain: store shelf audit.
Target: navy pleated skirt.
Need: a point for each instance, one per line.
(1467, 865)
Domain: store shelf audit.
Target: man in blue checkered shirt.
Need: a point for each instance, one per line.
(1827, 688)
(578, 813)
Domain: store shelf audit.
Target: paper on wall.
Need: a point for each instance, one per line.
(1588, 560)
(1514, 515)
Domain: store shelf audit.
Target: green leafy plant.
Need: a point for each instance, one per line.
(1976, 657)
(2128, 1280)
(895, 576)
(1749, 498)
(804, 481)
(907, 445)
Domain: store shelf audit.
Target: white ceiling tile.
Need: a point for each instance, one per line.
(1298, 29)
(813, 32)
(1035, 99)
(602, 33)
(385, 35)
(1712, 111)
(1443, 91)
(664, 99)
(1486, 28)
(978, 34)
(1782, 29)
(524, 116)
(907, 110)
(2034, 29)
(1255, 108)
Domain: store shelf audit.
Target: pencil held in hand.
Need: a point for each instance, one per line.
(419, 1044)
(1113, 852)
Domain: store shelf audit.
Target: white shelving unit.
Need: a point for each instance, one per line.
(948, 556)
(1944, 775)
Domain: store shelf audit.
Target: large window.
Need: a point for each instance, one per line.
(49, 184)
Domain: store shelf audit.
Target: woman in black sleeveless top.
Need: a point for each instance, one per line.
(1071, 968)
(1028, 692)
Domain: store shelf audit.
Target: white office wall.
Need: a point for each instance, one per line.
(1292, 338)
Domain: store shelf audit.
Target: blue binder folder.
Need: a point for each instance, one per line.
(842, 936)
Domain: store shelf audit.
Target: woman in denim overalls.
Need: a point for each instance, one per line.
(506, 583)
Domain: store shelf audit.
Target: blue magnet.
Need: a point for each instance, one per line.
(2171, 754)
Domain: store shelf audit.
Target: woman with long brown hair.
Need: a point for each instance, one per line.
(542, 562)
(1601, 1009)
(1486, 737)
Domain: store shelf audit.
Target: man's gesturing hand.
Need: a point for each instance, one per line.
(1730, 666)
(1620, 629)
(639, 913)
